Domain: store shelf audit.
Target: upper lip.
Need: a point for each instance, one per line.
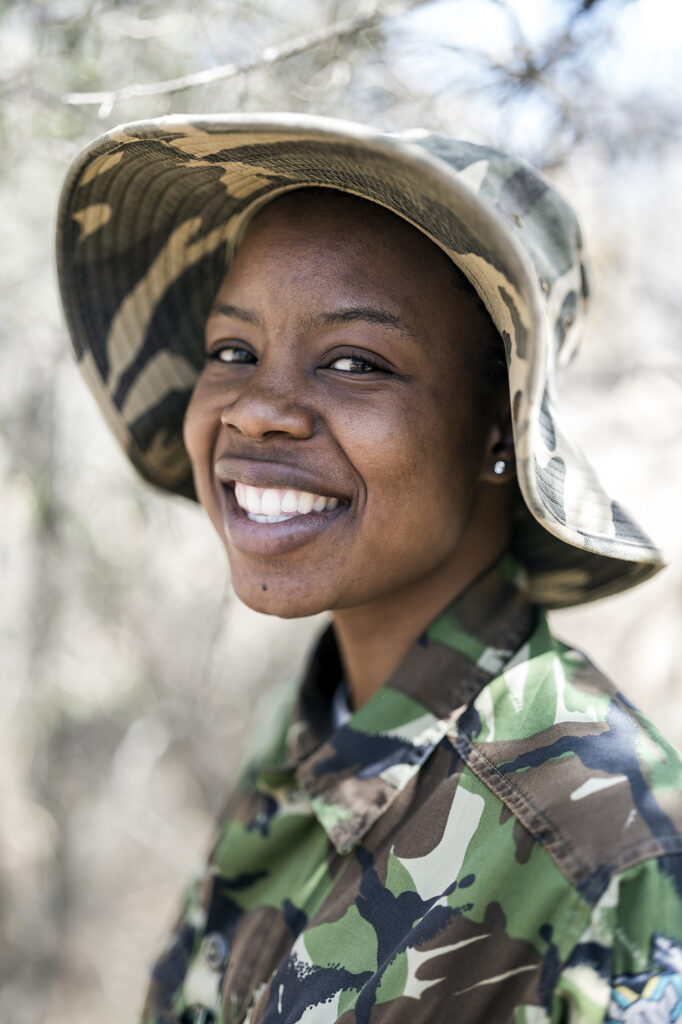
(256, 473)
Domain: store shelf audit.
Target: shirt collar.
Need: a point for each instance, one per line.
(354, 773)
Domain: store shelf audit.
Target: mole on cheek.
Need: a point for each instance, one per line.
(264, 586)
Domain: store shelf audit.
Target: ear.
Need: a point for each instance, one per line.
(499, 461)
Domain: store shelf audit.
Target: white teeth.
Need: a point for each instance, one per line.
(275, 505)
(305, 502)
(271, 505)
(266, 519)
(290, 502)
(253, 501)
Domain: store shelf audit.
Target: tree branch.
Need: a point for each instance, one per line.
(344, 29)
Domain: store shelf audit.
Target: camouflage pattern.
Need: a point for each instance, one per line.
(151, 211)
(494, 837)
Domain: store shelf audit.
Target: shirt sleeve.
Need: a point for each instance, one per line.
(627, 966)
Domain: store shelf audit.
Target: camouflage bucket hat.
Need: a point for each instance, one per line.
(151, 211)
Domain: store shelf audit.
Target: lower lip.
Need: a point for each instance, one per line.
(273, 538)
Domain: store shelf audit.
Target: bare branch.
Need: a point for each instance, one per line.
(515, 27)
(344, 29)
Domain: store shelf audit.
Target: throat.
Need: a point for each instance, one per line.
(369, 660)
(374, 638)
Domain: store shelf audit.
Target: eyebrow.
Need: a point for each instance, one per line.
(368, 314)
(234, 311)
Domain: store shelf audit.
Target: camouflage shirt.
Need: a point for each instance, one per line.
(493, 837)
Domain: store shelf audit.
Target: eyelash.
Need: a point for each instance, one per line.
(355, 357)
(217, 353)
(374, 365)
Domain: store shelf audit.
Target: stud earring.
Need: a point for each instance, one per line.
(499, 467)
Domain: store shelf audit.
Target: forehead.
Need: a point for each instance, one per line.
(351, 235)
(316, 251)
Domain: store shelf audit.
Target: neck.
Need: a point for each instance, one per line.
(374, 638)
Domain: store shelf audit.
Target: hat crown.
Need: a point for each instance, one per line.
(539, 219)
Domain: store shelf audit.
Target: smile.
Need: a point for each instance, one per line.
(269, 509)
(276, 504)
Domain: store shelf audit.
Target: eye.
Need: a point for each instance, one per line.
(353, 364)
(232, 354)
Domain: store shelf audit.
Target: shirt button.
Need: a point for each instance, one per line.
(215, 950)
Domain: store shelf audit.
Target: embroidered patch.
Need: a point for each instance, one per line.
(654, 997)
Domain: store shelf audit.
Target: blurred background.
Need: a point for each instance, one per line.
(131, 679)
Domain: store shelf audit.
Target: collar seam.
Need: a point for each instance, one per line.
(533, 820)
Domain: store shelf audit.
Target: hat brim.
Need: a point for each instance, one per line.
(151, 212)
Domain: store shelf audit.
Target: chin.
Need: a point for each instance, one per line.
(277, 599)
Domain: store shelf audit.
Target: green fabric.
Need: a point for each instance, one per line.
(468, 847)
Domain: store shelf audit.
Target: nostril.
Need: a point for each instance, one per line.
(268, 412)
(225, 418)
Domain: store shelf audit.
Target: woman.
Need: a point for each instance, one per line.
(460, 818)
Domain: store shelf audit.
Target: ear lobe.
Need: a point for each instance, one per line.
(499, 464)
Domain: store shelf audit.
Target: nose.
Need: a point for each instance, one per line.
(268, 405)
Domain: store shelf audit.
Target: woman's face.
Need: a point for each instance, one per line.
(341, 434)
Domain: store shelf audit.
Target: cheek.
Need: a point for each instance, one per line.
(194, 429)
(200, 427)
(412, 456)
(375, 438)
(444, 453)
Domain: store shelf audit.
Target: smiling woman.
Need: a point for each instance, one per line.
(459, 817)
(343, 366)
